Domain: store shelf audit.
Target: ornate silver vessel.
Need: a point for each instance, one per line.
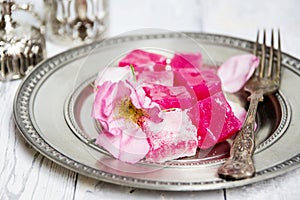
(76, 21)
(22, 46)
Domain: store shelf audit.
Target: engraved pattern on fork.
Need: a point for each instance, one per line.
(266, 80)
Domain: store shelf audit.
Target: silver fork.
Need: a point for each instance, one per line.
(266, 80)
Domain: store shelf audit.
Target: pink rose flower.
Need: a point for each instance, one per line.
(121, 109)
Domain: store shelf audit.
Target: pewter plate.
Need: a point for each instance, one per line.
(53, 104)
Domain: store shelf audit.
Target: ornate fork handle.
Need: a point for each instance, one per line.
(240, 163)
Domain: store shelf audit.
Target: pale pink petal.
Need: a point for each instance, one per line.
(102, 91)
(122, 91)
(126, 147)
(108, 95)
(141, 101)
(104, 124)
(154, 114)
(137, 95)
(115, 126)
(236, 71)
(113, 74)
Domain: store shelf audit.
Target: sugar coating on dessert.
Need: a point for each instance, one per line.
(173, 138)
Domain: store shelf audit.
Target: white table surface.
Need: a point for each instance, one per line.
(26, 174)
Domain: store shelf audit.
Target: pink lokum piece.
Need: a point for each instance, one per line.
(201, 84)
(143, 60)
(214, 120)
(156, 77)
(174, 138)
(169, 97)
(186, 60)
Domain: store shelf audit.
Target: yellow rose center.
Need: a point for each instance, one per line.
(127, 110)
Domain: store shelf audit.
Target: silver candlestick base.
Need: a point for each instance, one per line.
(76, 21)
(22, 46)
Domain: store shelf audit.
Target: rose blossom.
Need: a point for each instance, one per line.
(121, 109)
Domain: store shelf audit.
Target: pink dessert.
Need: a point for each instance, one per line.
(169, 97)
(174, 138)
(186, 60)
(156, 77)
(160, 115)
(142, 59)
(214, 120)
(200, 84)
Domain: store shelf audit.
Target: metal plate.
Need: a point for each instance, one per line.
(52, 111)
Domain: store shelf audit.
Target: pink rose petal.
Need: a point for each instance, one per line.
(130, 146)
(113, 74)
(236, 71)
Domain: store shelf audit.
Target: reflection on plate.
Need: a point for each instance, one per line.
(53, 105)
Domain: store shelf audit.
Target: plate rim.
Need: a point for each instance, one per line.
(31, 134)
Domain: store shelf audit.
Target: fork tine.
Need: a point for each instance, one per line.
(278, 70)
(255, 52)
(271, 55)
(263, 56)
(255, 49)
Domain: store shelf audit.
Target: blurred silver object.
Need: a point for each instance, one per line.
(22, 46)
(76, 21)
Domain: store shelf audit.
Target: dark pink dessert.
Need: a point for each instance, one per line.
(168, 97)
(200, 83)
(156, 77)
(143, 60)
(186, 60)
(214, 120)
